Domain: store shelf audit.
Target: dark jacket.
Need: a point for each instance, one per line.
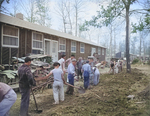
(26, 79)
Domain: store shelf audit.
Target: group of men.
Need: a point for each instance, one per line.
(87, 70)
(115, 67)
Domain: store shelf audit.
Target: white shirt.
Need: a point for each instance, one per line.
(62, 63)
(57, 74)
(71, 69)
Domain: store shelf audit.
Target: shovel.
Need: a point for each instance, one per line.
(80, 89)
(37, 111)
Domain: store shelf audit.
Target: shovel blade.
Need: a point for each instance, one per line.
(38, 111)
(81, 90)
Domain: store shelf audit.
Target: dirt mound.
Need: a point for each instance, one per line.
(108, 98)
(145, 92)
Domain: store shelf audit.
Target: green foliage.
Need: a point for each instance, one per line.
(144, 24)
(135, 61)
(136, 27)
(108, 14)
(42, 12)
(83, 28)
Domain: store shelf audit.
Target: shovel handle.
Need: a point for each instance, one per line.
(72, 85)
(34, 99)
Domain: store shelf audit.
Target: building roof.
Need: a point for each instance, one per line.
(28, 25)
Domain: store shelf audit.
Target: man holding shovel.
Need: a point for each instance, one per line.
(26, 80)
(71, 74)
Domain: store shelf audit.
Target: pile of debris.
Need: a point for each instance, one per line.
(40, 67)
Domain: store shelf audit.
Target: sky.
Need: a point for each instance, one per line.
(90, 8)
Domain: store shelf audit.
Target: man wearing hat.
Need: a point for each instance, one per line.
(86, 68)
(71, 74)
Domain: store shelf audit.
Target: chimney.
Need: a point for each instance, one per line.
(19, 16)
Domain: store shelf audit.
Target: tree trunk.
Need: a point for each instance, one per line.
(76, 21)
(143, 51)
(127, 41)
(64, 25)
(114, 43)
(110, 47)
(140, 45)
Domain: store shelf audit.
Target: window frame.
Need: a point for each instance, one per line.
(2, 36)
(99, 51)
(62, 44)
(73, 46)
(103, 51)
(37, 41)
(82, 47)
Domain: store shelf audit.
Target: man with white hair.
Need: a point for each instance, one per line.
(71, 75)
(96, 75)
(91, 62)
(117, 64)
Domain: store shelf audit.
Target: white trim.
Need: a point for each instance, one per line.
(100, 51)
(37, 41)
(12, 46)
(56, 50)
(92, 51)
(61, 44)
(82, 47)
(74, 46)
(103, 51)
(44, 44)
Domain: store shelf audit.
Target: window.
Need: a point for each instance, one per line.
(103, 51)
(37, 40)
(82, 48)
(93, 51)
(54, 47)
(99, 51)
(62, 45)
(10, 36)
(73, 46)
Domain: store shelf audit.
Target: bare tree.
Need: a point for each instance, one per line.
(68, 10)
(61, 11)
(29, 9)
(43, 12)
(14, 8)
(78, 5)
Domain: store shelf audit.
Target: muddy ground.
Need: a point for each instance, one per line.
(108, 98)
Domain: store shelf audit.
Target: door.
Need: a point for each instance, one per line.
(93, 51)
(47, 50)
(54, 49)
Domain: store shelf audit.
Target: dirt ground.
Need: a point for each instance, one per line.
(108, 98)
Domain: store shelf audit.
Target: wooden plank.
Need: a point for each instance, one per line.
(14, 86)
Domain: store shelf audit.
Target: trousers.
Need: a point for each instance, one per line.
(96, 79)
(86, 79)
(70, 89)
(25, 98)
(58, 91)
(91, 78)
(7, 102)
